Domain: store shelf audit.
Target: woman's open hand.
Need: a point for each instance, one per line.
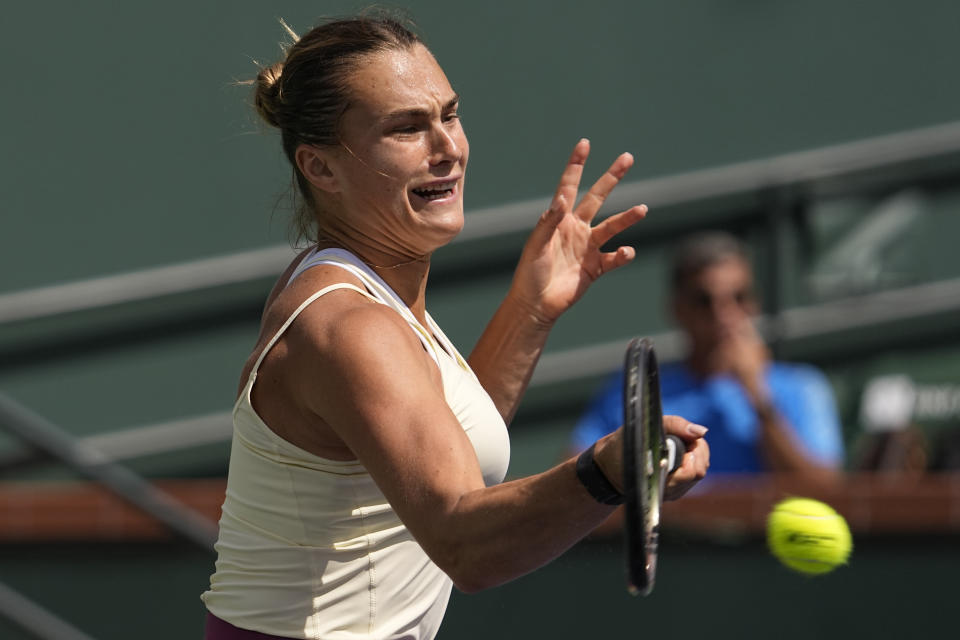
(562, 256)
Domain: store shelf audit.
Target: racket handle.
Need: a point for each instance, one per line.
(675, 450)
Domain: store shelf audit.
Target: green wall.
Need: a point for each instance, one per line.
(892, 588)
(126, 143)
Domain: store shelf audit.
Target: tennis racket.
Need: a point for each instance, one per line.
(649, 457)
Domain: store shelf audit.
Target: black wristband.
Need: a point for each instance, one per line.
(592, 478)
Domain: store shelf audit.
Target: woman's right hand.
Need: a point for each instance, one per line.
(695, 462)
(608, 454)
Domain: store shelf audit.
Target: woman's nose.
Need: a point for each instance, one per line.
(446, 147)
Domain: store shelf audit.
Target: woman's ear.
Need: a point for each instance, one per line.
(314, 165)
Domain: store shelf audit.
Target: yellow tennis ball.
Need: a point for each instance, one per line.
(808, 535)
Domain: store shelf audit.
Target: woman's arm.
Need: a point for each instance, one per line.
(367, 377)
(560, 260)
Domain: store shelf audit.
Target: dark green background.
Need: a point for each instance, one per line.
(892, 588)
(127, 144)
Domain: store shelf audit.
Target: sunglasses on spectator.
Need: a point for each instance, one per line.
(705, 300)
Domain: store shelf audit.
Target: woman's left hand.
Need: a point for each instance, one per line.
(562, 257)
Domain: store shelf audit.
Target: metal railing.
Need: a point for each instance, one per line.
(781, 172)
(43, 436)
(764, 175)
(33, 618)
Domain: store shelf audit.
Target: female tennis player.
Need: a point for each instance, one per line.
(368, 455)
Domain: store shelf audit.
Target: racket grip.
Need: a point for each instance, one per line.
(675, 450)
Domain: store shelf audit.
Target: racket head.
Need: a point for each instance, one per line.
(645, 462)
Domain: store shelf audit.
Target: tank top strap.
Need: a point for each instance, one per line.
(431, 337)
(445, 342)
(293, 316)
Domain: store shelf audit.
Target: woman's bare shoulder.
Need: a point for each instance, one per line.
(315, 321)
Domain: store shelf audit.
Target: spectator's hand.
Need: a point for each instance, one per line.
(744, 354)
(695, 461)
(562, 257)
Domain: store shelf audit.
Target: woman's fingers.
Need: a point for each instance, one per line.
(588, 207)
(572, 173)
(686, 430)
(597, 195)
(615, 259)
(552, 216)
(693, 469)
(696, 460)
(590, 239)
(608, 228)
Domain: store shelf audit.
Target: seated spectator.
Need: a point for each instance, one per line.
(763, 415)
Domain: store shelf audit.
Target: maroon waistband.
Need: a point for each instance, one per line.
(217, 629)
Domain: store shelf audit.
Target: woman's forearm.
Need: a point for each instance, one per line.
(507, 353)
(500, 533)
(495, 534)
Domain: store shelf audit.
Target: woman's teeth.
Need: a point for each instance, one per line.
(437, 191)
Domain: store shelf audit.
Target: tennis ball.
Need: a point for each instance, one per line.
(808, 535)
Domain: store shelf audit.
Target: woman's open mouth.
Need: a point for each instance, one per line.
(436, 191)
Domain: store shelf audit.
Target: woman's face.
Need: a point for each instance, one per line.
(401, 167)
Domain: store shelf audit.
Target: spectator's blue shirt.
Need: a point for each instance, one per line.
(800, 393)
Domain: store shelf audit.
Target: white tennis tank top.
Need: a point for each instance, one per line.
(310, 547)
